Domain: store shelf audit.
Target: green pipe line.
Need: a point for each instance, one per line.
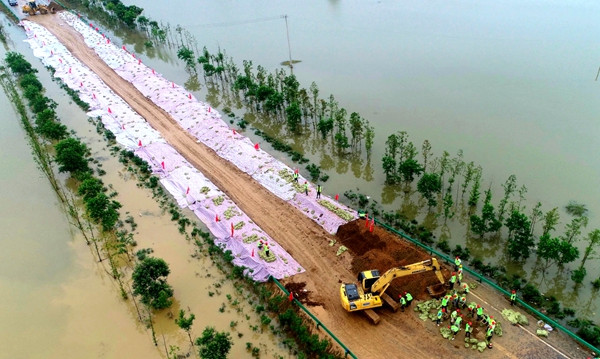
(319, 324)
(494, 285)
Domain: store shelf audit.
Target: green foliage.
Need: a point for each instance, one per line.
(150, 282)
(71, 156)
(551, 219)
(556, 250)
(590, 333)
(294, 117)
(409, 169)
(596, 284)
(183, 322)
(576, 209)
(389, 169)
(520, 240)
(578, 275)
(187, 56)
(593, 240)
(509, 188)
(103, 210)
(213, 344)
(90, 188)
(475, 190)
(532, 295)
(487, 223)
(30, 80)
(18, 65)
(429, 186)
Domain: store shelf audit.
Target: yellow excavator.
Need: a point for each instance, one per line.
(32, 8)
(370, 292)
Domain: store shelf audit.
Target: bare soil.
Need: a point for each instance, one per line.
(399, 335)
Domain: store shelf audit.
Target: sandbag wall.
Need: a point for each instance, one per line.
(206, 124)
(189, 187)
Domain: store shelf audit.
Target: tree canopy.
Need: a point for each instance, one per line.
(150, 282)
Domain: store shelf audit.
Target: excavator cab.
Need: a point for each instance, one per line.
(367, 278)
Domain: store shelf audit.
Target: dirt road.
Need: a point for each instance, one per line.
(399, 335)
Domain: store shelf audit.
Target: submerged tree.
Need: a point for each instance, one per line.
(593, 241)
(556, 250)
(429, 186)
(520, 240)
(509, 188)
(71, 156)
(426, 153)
(487, 223)
(550, 220)
(213, 344)
(187, 56)
(186, 323)
(476, 189)
(150, 282)
(576, 209)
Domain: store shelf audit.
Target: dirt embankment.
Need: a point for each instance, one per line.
(382, 250)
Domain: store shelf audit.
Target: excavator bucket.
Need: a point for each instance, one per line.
(437, 290)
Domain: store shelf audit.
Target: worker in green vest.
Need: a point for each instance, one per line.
(319, 190)
(479, 313)
(471, 307)
(295, 177)
(462, 302)
(468, 329)
(454, 315)
(439, 316)
(445, 301)
(409, 298)
(455, 329)
(361, 214)
(465, 288)
(488, 335)
(455, 301)
(452, 280)
(513, 298)
(402, 302)
(306, 187)
(458, 320)
(457, 262)
(459, 275)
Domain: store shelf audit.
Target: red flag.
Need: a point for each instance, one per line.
(108, 41)
(97, 29)
(234, 131)
(94, 97)
(252, 252)
(69, 70)
(60, 60)
(124, 48)
(163, 164)
(51, 52)
(103, 36)
(81, 84)
(109, 110)
(216, 217)
(188, 191)
(291, 297)
(337, 196)
(190, 96)
(133, 55)
(372, 227)
(140, 143)
(173, 84)
(152, 71)
(91, 25)
(123, 126)
(232, 229)
(139, 61)
(256, 147)
(209, 109)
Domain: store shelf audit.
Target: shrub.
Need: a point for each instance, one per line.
(578, 275)
(532, 295)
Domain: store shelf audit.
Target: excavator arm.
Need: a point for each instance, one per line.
(384, 281)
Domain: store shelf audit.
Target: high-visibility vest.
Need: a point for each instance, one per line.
(457, 261)
(468, 328)
(458, 321)
(489, 332)
(455, 329)
(295, 175)
(453, 279)
(402, 301)
(319, 188)
(479, 311)
(460, 277)
(409, 297)
(306, 186)
(361, 214)
(439, 314)
(513, 296)
(454, 314)
(444, 301)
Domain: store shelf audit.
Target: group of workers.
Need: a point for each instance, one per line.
(405, 300)
(319, 187)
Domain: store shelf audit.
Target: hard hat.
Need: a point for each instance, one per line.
(470, 323)
(478, 306)
(456, 257)
(458, 310)
(404, 292)
(453, 273)
(513, 291)
(444, 310)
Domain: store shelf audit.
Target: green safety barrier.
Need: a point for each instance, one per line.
(481, 278)
(319, 324)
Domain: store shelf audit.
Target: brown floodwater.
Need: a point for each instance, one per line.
(58, 301)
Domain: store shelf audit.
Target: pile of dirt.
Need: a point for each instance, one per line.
(56, 6)
(383, 250)
(302, 294)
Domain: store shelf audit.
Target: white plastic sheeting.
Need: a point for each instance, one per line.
(205, 124)
(187, 185)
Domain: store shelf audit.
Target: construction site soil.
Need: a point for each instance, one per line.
(382, 250)
(399, 335)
